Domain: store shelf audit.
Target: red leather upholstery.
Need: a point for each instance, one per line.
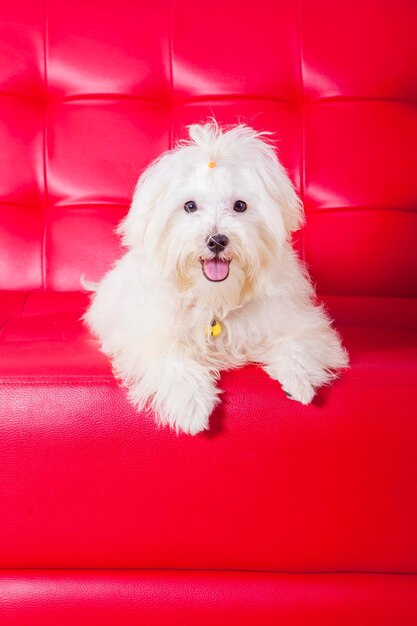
(89, 94)
(189, 598)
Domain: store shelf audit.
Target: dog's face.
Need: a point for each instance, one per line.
(214, 214)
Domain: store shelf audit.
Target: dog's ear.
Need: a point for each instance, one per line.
(280, 189)
(277, 183)
(137, 228)
(291, 204)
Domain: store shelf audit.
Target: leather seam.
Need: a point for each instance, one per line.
(303, 133)
(357, 382)
(209, 97)
(214, 570)
(45, 150)
(54, 381)
(171, 69)
(24, 304)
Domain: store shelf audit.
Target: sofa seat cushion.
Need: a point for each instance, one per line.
(273, 485)
(169, 598)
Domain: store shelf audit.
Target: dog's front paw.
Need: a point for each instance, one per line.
(296, 385)
(181, 393)
(297, 388)
(193, 418)
(188, 407)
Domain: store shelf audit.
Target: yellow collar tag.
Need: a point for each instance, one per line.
(214, 329)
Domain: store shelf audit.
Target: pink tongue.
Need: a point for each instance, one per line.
(215, 269)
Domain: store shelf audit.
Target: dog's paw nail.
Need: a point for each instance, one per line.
(288, 394)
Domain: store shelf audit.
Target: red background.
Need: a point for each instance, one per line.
(320, 497)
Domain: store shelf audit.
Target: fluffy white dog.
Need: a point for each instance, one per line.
(210, 281)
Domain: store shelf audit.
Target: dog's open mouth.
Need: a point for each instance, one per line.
(215, 269)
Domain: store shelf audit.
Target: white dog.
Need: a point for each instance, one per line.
(210, 281)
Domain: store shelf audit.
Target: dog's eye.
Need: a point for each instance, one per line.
(240, 206)
(190, 206)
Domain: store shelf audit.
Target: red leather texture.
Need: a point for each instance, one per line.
(205, 598)
(89, 94)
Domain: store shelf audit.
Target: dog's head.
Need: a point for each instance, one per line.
(215, 213)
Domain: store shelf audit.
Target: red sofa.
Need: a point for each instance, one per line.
(281, 513)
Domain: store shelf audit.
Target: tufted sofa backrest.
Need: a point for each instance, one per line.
(91, 92)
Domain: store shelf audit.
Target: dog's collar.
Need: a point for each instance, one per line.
(213, 329)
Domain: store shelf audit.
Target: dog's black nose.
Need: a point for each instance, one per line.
(217, 243)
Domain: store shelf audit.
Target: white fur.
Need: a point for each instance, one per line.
(151, 310)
